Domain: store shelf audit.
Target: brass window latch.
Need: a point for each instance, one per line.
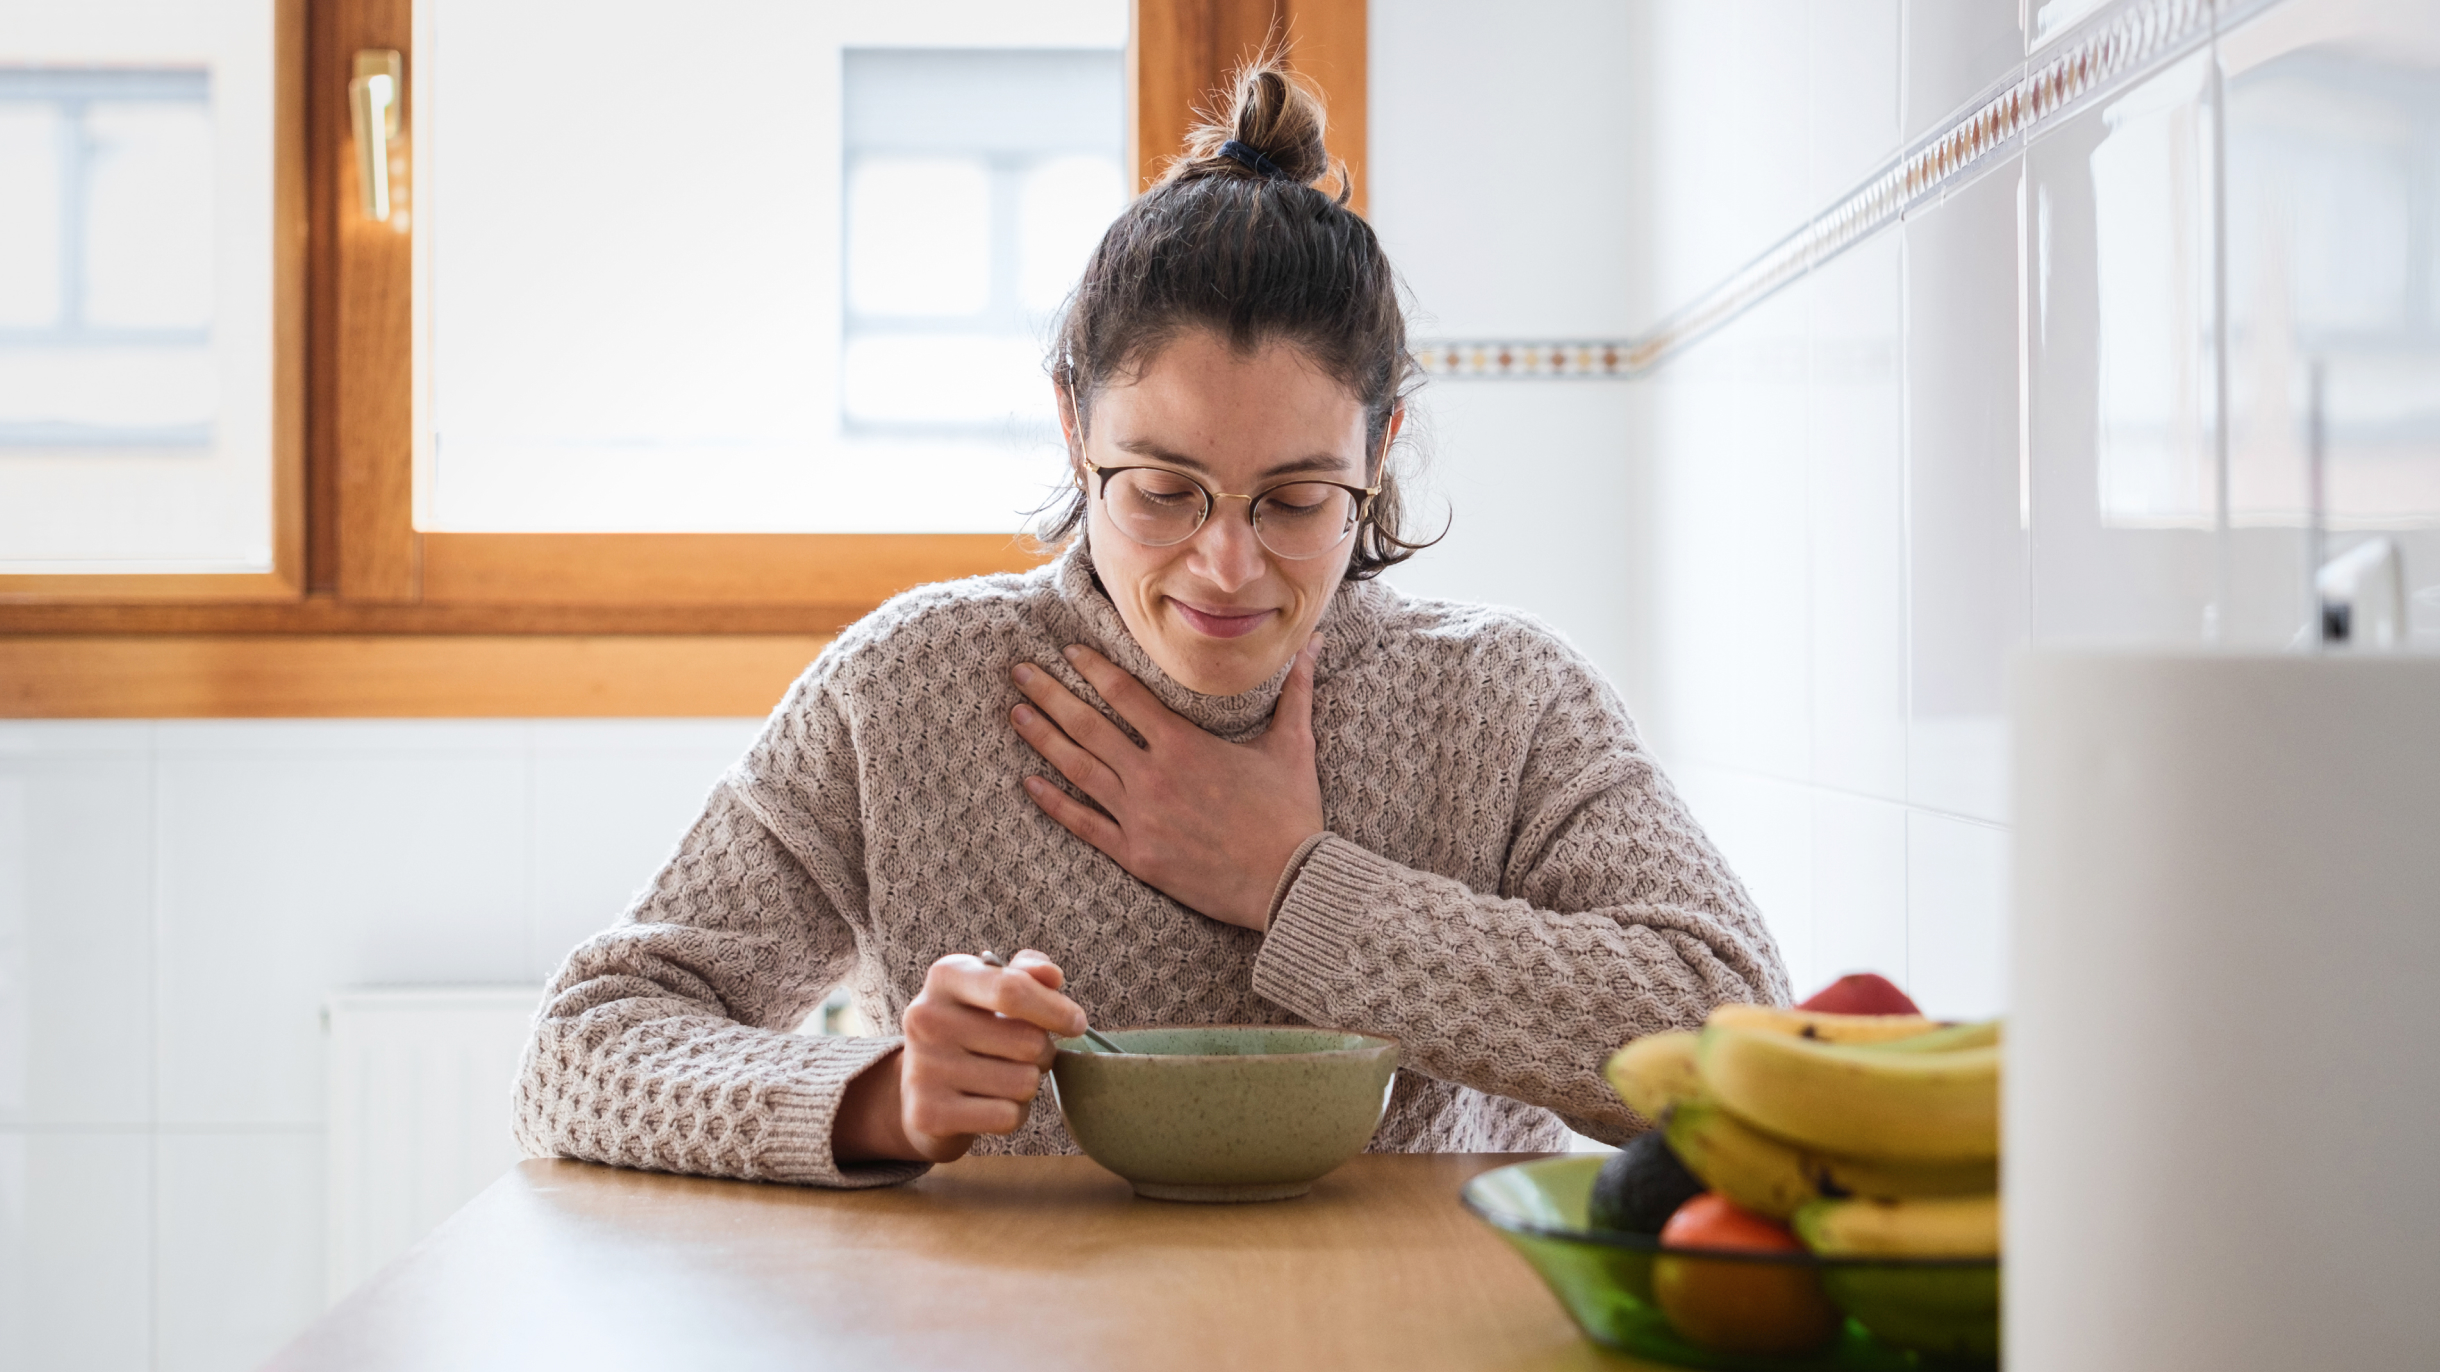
(375, 98)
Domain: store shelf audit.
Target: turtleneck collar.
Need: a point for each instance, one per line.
(1081, 612)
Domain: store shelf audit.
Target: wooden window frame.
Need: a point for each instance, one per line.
(364, 615)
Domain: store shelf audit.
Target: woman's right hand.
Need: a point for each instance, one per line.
(978, 1039)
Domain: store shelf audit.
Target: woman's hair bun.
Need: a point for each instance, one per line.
(1270, 111)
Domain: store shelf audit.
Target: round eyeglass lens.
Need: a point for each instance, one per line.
(1155, 508)
(1307, 519)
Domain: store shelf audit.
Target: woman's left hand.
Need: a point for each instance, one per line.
(1210, 824)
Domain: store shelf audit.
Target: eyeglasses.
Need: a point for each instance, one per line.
(1296, 520)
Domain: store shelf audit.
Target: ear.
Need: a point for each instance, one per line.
(1070, 430)
(1397, 421)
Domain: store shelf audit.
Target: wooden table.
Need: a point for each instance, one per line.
(989, 1263)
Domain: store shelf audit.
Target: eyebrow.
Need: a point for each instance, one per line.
(1144, 447)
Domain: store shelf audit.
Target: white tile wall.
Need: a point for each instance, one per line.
(1732, 651)
(1502, 229)
(76, 1216)
(1856, 524)
(1954, 51)
(609, 802)
(1966, 533)
(178, 899)
(1837, 521)
(2005, 433)
(386, 854)
(2119, 381)
(1852, 94)
(237, 1246)
(1956, 915)
(76, 938)
(1859, 888)
(1764, 827)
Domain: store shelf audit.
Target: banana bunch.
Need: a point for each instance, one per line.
(1872, 1136)
(1882, 1129)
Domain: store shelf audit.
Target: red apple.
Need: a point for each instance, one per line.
(1861, 993)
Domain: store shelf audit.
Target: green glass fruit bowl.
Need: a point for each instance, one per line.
(1883, 1314)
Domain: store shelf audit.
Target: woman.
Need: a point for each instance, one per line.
(1276, 790)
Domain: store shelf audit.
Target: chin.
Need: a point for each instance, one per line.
(1231, 671)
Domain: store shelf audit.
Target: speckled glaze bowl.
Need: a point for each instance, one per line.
(1224, 1112)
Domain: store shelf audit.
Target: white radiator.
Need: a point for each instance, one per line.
(419, 1082)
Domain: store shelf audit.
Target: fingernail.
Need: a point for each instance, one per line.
(1023, 671)
(1024, 714)
(1036, 785)
(1071, 652)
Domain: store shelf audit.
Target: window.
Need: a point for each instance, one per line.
(576, 431)
(977, 183)
(106, 259)
(782, 276)
(137, 289)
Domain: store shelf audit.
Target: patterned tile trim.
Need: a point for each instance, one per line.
(1525, 359)
(2118, 43)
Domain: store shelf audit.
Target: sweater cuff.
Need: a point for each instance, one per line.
(1312, 939)
(804, 1113)
(1287, 875)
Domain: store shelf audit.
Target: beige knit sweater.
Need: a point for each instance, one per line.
(1511, 888)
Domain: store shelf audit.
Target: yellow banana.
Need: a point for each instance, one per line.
(1654, 1072)
(1854, 1101)
(1817, 1024)
(1772, 1178)
(1948, 1038)
(1942, 1227)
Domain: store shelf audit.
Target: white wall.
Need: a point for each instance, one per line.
(1504, 169)
(1989, 426)
(177, 899)
(1837, 559)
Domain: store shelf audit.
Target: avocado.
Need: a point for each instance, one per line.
(1640, 1187)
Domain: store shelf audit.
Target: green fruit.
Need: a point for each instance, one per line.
(1640, 1187)
(1949, 1312)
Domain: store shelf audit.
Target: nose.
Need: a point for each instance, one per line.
(1224, 551)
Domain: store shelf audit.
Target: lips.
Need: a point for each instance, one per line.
(1221, 624)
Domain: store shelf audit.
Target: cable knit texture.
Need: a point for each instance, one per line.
(1510, 887)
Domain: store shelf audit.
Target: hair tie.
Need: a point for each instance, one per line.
(1250, 157)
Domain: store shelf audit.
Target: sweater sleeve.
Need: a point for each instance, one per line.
(665, 1042)
(1616, 918)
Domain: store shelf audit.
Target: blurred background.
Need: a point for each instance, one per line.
(380, 593)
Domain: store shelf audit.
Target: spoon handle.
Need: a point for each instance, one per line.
(992, 959)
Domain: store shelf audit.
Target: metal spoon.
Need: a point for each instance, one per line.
(992, 959)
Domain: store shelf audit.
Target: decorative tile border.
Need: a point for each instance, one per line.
(2119, 42)
(1604, 358)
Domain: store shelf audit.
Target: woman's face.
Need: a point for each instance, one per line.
(1219, 612)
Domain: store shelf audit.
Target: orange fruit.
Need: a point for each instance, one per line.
(1731, 1306)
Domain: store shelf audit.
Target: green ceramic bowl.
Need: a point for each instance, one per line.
(1224, 1112)
(1901, 1314)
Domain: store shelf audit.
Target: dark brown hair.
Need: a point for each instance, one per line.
(1256, 255)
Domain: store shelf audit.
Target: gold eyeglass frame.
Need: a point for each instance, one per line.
(1211, 500)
